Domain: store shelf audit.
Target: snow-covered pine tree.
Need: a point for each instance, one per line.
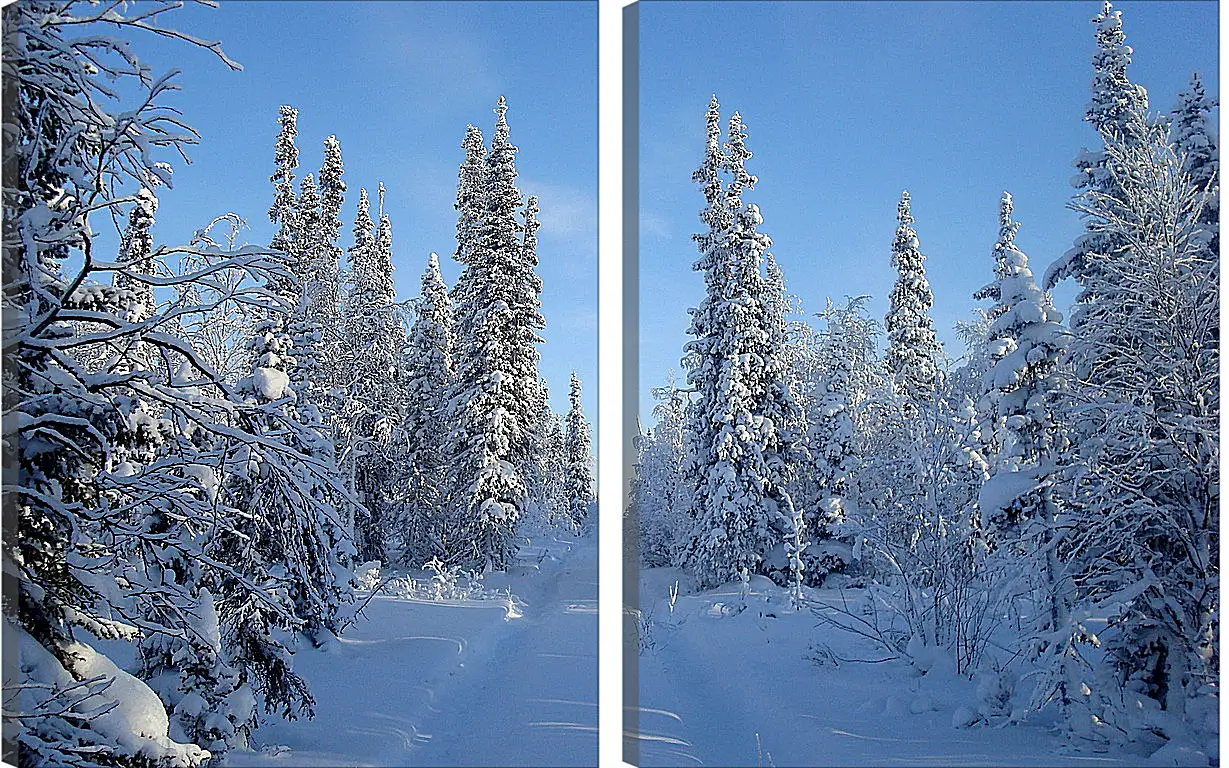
(913, 350)
(530, 318)
(286, 160)
(423, 517)
(375, 406)
(1144, 489)
(136, 252)
(304, 323)
(740, 460)
(1194, 140)
(497, 318)
(1021, 427)
(554, 459)
(326, 301)
(833, 444)
(702, 355)
(1114, 97)
(577, 471)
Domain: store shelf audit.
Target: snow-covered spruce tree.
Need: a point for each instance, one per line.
(661, 494)
(547, 497)
(354, 407)
(93, 536)
(702, 355)
(288, 509)
(470, 185)
(497, 318)
(913, 350)
(832, 440)
(300, 235)
(578, 472)
(1194, 140)
(1114, 97)
(1144, 490)
(465, 454)
(325, 302)
(136, 252)
(375, 402)
(422, 519)
(1021, 428)
(741, 459)
(305, 326)
(554, 459)
(1023, 438)
(136, 245)
(531, 318)
(286, 160)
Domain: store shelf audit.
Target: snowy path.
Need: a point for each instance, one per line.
(426, 684)
(714, 679)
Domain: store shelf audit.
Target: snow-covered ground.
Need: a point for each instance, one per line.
(715, 675)
(472, 683)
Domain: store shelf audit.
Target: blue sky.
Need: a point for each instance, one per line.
(397, 82)
(848, 103)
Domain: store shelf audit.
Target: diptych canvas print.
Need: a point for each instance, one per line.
(917, 460)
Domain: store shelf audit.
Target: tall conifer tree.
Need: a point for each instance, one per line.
(913, 350)
(578, 474)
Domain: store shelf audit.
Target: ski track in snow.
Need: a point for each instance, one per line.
(715, 679)
(460, 683)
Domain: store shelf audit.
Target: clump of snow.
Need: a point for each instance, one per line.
(127, 716)
(271, 383)
(964, 717)
(922, 703)
(367, 575)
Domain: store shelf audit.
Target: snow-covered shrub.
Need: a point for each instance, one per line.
(646, 639)
(659, 489)
(915, 528)
(367, 575)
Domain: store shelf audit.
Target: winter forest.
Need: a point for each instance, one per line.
(238, 473)
(858, 547)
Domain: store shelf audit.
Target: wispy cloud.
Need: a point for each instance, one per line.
(448, 63)
(568, 212)
(654, 225)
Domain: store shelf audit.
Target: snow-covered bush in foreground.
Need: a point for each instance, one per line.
(437, 582)
(87, 711)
